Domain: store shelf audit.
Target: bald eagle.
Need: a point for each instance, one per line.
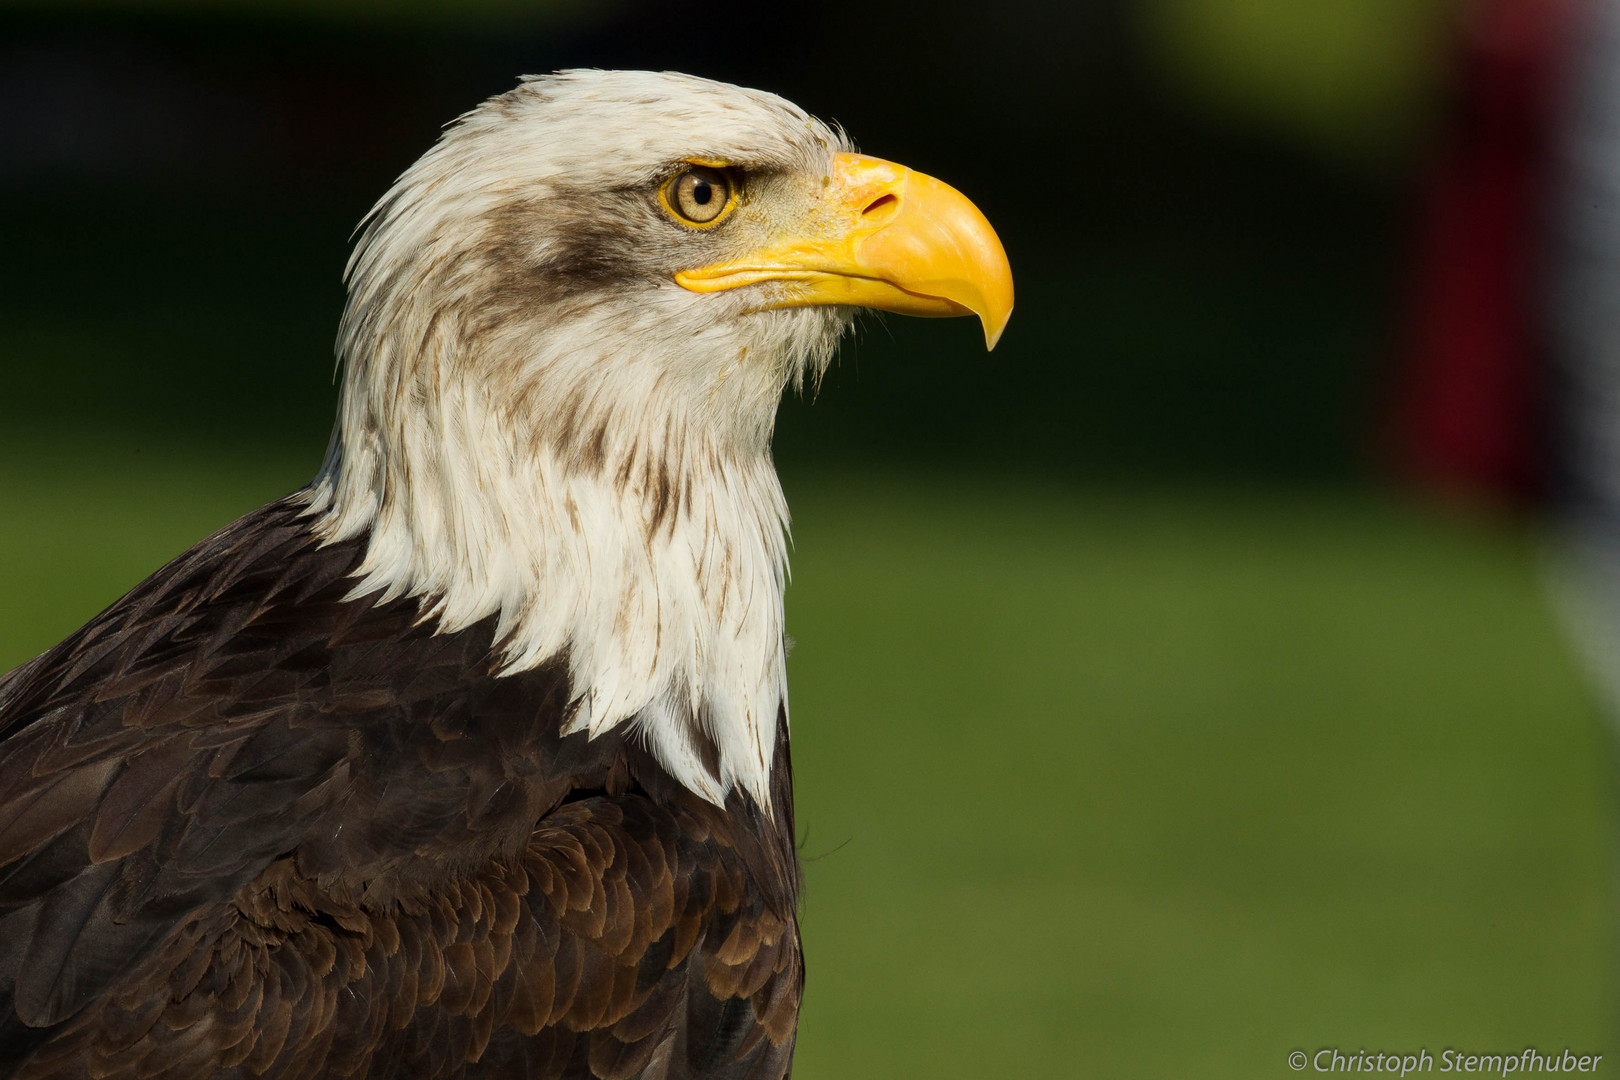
(471, 757)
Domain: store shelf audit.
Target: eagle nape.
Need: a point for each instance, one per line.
(470, 758)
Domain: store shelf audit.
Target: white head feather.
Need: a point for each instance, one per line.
(537, 423)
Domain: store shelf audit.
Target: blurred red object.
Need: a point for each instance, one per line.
(1470, 407)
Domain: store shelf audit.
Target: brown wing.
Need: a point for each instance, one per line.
(235, 708)
(237, 746)
(627, 942)
(149, 767)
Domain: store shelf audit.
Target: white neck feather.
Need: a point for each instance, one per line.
(657, 568)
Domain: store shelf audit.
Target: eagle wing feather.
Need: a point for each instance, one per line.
(247, 821)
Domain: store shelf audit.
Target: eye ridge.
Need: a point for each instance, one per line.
(699, 195)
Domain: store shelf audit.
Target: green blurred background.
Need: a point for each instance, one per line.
(1142, 731)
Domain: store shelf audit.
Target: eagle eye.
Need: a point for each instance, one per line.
(700, 195)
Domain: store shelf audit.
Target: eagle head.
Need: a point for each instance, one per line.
(568, 328)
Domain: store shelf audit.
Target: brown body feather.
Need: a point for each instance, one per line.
(251, 826)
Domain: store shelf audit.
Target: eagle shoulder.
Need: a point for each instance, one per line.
(295, 826)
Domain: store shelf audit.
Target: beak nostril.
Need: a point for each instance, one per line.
(879, 203)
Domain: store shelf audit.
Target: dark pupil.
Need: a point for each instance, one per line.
(701, 191)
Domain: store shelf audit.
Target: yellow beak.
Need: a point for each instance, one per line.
(883, 237)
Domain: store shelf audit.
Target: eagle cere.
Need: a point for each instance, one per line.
(471, 758)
